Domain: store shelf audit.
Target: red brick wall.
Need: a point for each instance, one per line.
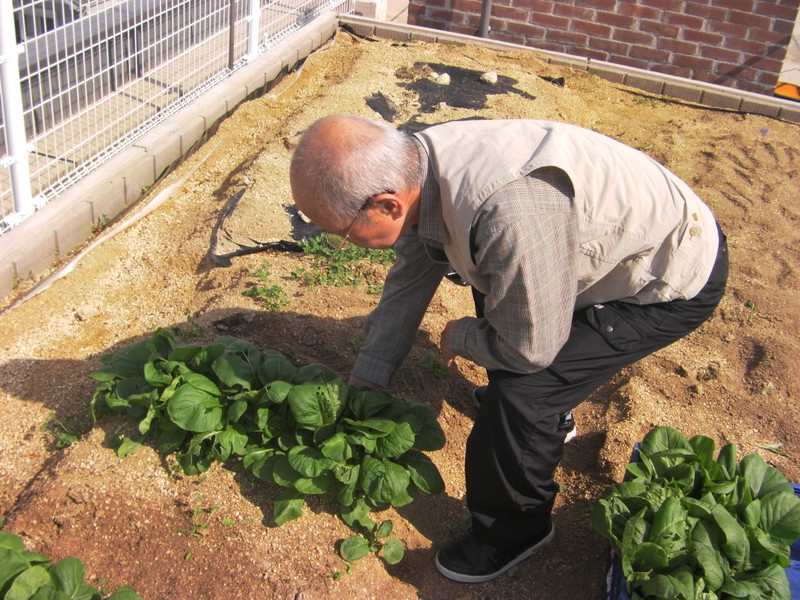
(736, 43)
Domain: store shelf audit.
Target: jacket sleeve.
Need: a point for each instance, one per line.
(391, 327)
(525, 244)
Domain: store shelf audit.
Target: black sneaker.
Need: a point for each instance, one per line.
(566, 423)
(470, 561)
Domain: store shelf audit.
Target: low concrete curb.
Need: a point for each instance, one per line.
(67, 222)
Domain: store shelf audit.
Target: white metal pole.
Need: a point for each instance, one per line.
(253, 26)
(16, 143)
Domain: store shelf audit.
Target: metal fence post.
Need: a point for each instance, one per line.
(231, 33)
(13, 117)
(253, 26)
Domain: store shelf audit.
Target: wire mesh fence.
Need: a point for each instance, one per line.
(81, 81)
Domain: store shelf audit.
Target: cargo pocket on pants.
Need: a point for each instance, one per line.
(613, 326)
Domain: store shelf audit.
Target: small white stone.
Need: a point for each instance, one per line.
(490, 77)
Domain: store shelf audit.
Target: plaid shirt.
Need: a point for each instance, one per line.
(525, 243)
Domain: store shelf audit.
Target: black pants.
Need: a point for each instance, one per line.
(515, 445)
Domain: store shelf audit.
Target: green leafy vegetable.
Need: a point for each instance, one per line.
(689, 527)
(302, 428)
(28, 576)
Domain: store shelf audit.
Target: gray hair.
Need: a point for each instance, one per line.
(376, 158)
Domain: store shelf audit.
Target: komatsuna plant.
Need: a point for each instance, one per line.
(691, 527)
(31, 576)
(302, 427)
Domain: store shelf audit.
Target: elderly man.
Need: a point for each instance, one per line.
(584, 256)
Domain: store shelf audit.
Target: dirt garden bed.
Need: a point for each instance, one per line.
(137, 522)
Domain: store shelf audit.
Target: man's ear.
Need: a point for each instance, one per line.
(389, 205)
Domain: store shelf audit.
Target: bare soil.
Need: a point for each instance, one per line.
(137, 522)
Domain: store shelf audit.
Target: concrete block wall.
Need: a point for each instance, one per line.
(735, 43)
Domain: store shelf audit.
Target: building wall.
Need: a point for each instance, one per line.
(735, 43)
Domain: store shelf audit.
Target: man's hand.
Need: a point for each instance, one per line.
(357, 382)
(448, 358)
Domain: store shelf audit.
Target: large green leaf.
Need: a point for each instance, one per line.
(727, 460)
(423, 472)
(129, 361)
(770, 582)
(168, 438)
(668, 528)
(384, 480)
(393, 551)
(356, 515)
(761, 478)
(337, 448)
(202, 383)
(347, 476)
(314, 485)
(678, 585)
(645, 557)
(733, 538)
(288, 506)
(239, 365)
(131, 389)
(707, 556)
(770, 550)
(704, 448)
(185, 354)
(11, 541)
(309, 461)
(609, 517)
(261, 464)
(780, 516)
(230, 441)
(315, 373)
(314, 405)
(155, 373)
(368, 403)
(372, 428)
(236, 410)
(69, 574)
(354, 547)
(28, 582)
(203, 361)
(283, 473)
(277, 391)
(636, 531)
(11, 561)
(430, 436)
(194, 409)
(396, 443)
(665, 440)
(748, 589)
(275, 367)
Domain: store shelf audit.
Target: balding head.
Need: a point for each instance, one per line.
(342, 160)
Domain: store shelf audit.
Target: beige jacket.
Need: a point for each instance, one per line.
(644, 236)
